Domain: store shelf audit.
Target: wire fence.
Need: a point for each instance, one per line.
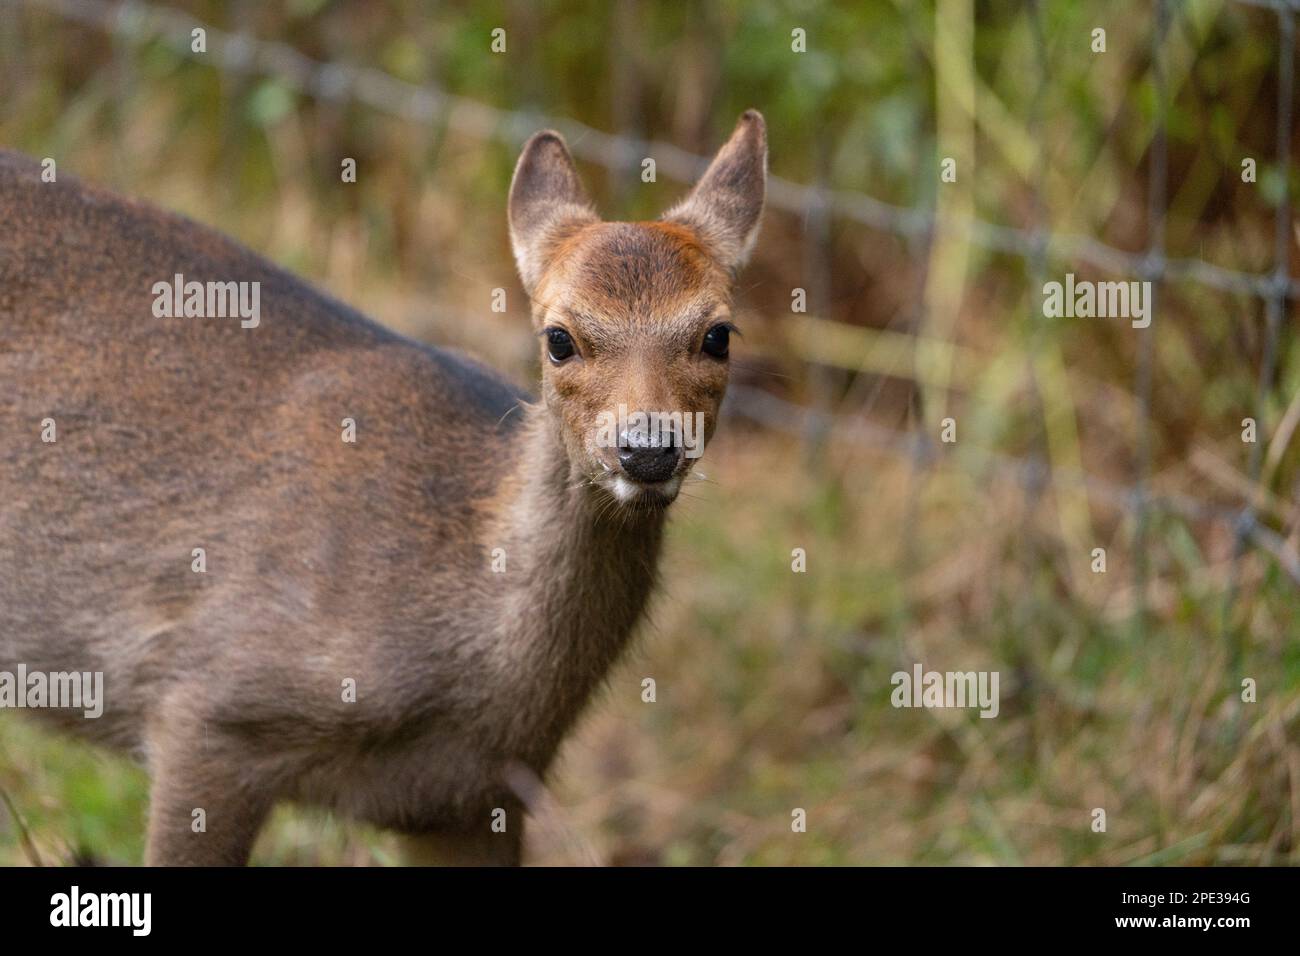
(135, 23)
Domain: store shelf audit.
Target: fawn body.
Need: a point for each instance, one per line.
(328, 561)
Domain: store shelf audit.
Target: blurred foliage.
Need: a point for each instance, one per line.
(1119, 690)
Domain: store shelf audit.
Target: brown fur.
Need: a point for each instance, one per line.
(328, 560)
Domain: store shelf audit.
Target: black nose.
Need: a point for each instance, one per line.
(648, 458)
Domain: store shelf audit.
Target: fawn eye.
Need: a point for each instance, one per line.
(559, 344)
(717, 341)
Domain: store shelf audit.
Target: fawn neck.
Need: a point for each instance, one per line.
(578, 575)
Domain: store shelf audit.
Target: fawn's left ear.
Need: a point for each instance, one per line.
(547, 202)
(726, 204)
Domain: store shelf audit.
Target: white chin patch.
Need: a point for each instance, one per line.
(626, 491)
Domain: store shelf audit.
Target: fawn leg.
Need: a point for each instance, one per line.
(190, 773)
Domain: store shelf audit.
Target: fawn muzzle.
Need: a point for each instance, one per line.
(649, 456)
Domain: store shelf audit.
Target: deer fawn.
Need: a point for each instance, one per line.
(315, 561)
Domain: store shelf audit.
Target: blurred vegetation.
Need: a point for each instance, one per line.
(1119, 690)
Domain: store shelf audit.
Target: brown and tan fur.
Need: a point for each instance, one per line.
(328, 560)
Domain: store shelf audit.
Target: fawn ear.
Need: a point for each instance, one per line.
(547, 202)
(724, 207)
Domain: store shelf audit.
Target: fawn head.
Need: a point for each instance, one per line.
(634, 318)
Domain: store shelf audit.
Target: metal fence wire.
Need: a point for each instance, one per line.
(135, 23)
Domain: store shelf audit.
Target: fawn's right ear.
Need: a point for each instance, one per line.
(547, 202)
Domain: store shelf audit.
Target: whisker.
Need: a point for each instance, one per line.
(758, 370)
(516, 406)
